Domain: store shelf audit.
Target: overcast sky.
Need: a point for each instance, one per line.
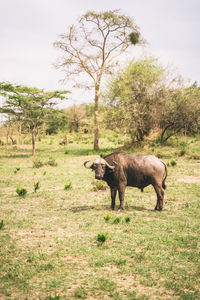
(28, 29)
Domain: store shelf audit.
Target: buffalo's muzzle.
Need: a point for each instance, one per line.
(98, 177)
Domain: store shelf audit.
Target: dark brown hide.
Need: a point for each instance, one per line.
(132, 170)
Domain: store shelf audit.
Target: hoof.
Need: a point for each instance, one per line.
(120, 208)
(158, 208)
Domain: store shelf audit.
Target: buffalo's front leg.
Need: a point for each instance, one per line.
(113, 191)
(121, 190)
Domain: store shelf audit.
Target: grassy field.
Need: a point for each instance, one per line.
(62, 241)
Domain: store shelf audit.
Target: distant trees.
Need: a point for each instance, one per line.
(30, 107)
(141, 97)
(178, 110)
(131, 98)
(91, 47)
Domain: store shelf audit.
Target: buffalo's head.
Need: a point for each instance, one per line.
(99, 166)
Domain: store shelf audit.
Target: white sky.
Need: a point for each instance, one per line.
(28, 29)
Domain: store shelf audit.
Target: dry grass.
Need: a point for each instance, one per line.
(48, 240)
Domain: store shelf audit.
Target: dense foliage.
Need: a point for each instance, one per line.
(30, 107)
(142, 97)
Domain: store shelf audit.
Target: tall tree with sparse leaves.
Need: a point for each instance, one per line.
(30, 106)
(92, 46)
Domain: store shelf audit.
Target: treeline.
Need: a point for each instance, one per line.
(145, 96)
(141, 98)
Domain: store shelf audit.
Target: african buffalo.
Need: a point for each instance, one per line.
(119, 170)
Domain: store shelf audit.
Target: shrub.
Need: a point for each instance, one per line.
(16, 170)
(173, 163)
(52, 162)
(107, 218)
(127, 219)
(21, 192)
(182, 152)
(68, 186)
(99, 185)
(101, 238)
(117, 220)
(1, 224)
(36, 186)
(38, 163)
(80, 292)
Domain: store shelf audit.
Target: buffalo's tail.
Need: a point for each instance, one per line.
(163, 182)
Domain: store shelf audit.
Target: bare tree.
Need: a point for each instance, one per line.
(92, 46)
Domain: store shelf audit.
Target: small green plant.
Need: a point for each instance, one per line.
(38, 163)
(182, 152)
(36, 186)
(21, 192)
(54, 298)
(52, 162)
(117, 220)
(80, 292)
(101, 238)
(99, 185)
(1, 224)
(173, 163)
(107, 218)
(66, 152)
(127, 219)
(16, 170)
(68, 186)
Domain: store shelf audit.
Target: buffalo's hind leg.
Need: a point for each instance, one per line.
(113, 191)
(160, 196)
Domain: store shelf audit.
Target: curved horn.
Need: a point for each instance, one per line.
(109, 166)
(86, 163)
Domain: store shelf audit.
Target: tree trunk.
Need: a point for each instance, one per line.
(33, 143)
(96, 114)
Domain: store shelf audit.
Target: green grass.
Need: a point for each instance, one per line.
(49, 246)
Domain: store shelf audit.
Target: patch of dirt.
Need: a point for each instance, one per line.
(190, 179)
(17, 147)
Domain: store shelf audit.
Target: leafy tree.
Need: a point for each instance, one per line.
(30, 106)
(178, 109)
(92, 47)
(76, 115)
(58, 120)
(131, 96)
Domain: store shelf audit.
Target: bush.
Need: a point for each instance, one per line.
(101, 238)
(68, 186)
(1, 224)
(16, 170)
(117, 220)
(36, 186)
(99, 185)
(38, 163)
(173, 163)
(80, 293)
(21, 192)
(52, 162)
(127, 219)
(107, 218)
(182, 152)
